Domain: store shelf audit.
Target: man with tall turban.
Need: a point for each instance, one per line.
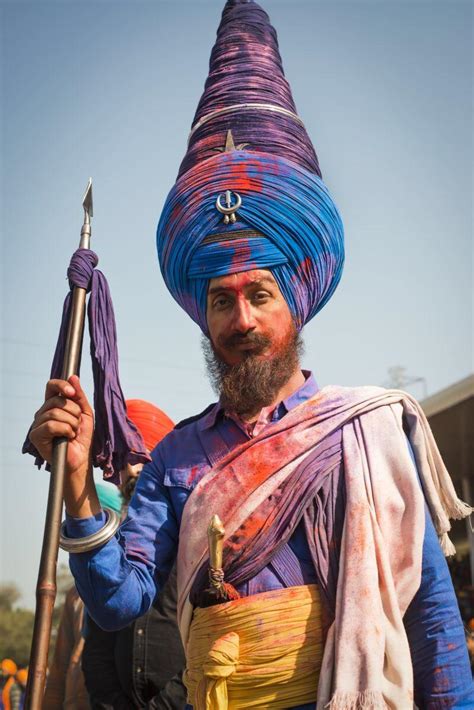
(332, 500)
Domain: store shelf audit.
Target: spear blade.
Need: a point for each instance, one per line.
(88, 214)
(87, 201)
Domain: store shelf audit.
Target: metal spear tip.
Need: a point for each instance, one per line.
(87, 201)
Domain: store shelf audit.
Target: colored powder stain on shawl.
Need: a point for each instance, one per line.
(263, 459)
(255, 524)
(359, 532)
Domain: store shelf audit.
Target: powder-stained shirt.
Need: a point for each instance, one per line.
(119, 587)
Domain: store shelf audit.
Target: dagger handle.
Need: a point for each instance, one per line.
(215, 536)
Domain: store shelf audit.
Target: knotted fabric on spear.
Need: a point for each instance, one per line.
(117, 441)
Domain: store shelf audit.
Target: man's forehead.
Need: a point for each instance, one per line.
(241, 279)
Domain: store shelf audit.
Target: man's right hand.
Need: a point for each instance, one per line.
(65, 413)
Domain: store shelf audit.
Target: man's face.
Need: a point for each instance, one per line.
(247, 316)
(254, 347)
(129, 477)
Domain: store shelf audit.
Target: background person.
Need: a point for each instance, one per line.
(8, 670)
(18, 690)
(65, 686)
(140, 665)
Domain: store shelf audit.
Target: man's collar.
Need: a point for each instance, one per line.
(307, 390)
(209, 420)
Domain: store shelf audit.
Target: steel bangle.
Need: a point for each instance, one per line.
(75, 545)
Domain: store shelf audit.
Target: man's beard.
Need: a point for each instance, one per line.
(254, 382)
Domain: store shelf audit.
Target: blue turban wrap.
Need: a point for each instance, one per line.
(287, 223)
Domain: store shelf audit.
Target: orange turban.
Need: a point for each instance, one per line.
(8, 666)
(22, 676)
(152, 423)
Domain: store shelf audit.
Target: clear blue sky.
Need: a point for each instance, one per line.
(108, 89)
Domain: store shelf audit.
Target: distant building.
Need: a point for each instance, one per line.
(450, 413)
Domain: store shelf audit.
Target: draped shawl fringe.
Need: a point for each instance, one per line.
(365, 700)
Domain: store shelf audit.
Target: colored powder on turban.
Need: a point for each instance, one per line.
(247, 142)
(294, 229)
(152, 423)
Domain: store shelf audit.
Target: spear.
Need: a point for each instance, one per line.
(46, 585)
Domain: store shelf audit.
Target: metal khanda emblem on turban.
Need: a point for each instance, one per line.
(230, 208)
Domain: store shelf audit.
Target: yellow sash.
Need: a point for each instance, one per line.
(262, 651)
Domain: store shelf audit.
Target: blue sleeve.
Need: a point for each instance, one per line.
(119, 581)
(442, 672)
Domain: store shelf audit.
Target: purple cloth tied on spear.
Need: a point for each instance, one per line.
(117, 441)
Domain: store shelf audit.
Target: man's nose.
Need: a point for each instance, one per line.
(243, 317)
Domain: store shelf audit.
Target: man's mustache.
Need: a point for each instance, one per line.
(257, 340)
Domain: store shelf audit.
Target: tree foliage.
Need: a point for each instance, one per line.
(16, 630)
(16, 624)
(9, 595)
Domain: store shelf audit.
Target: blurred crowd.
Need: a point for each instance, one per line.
(13, 685)
(460, 568)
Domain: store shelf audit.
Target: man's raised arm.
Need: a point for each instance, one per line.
(115, 584)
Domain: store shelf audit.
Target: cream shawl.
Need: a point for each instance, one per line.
(366, 661)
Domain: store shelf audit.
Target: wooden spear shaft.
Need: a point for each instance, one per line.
(46, 585)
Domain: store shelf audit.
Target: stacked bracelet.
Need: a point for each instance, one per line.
(90, 542)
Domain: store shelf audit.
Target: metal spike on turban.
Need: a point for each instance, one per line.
(249, 193)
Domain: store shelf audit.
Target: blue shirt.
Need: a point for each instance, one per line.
(119, 586)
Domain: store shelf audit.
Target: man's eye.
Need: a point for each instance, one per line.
(221, 303)
(261, 296)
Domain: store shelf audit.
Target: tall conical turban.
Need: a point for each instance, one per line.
(249, 193)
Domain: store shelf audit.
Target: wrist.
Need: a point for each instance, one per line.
(80, 495)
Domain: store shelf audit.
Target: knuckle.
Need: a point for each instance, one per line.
(72, 407)
(57, 413)
(50, 426)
